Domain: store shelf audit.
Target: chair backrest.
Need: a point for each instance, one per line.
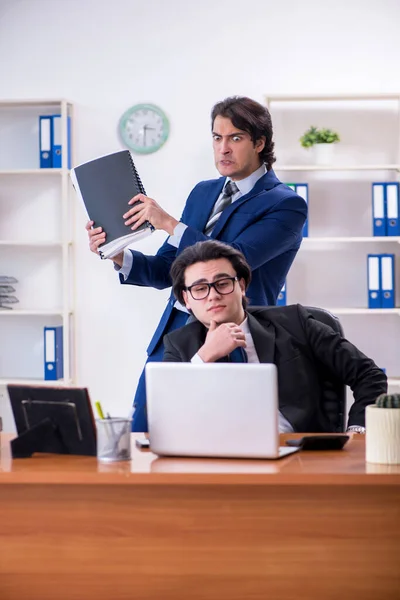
(333, 390)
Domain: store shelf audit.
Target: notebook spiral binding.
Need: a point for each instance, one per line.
(141, 186)
(137, 176)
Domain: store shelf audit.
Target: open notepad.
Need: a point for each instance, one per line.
(105, 186)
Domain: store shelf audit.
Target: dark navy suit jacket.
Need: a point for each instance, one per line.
(265, 224)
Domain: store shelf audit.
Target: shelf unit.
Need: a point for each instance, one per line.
(22, 381)
(308, 241)
(30, 243)
(41, 172)
(36, 242)
(364, 311)
(388, 167)
(58, 312)
(330, 269)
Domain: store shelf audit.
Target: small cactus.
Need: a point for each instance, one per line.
(388, 401)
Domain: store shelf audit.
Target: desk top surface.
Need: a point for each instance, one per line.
(343, 467)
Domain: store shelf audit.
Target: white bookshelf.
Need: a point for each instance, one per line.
(29, 244)
(17, 312)
(312, 241)
(364, 311)
(394, 382)
(36, 242)
(329, 97)
(22, 381)
(388, 167)
(330, 270)
(40, 172)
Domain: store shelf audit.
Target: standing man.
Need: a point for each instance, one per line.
(247, 207)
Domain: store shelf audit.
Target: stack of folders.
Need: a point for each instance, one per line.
(381, 281)
(6, 292)
(105, 186)
(302, 190)
(385, 208)
(50, 142)
(281, 300)
(53, 353)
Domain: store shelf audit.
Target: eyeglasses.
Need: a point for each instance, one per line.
(224, 286)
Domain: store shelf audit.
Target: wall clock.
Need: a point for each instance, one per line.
(144, 128)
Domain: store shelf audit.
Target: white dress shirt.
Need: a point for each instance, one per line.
(252, 357)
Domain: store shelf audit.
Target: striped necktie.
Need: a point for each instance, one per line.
(230, 190)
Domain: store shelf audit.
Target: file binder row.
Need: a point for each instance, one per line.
(50, 145)
(53, 353)
(385, 209)
(281, 300)
(302, 190)
(381, 281)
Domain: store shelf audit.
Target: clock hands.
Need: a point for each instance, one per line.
(146, 128)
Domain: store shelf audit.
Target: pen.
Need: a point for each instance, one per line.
(99, 410)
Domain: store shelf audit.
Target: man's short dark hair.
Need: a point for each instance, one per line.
(248, 115)
(204, 252)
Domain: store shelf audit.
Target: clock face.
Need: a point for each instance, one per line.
(144, 128)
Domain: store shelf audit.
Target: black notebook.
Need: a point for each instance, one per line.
(105, 186)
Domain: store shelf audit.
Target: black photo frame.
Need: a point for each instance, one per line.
(52, 419)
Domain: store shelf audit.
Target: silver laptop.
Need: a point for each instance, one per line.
(214, 410)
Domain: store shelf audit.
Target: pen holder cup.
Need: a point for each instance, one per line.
(113, 439)
(382, 439)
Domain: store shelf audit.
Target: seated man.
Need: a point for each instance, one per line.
(211, 279)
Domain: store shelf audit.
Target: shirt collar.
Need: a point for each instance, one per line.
(247, 184)
(245, 325)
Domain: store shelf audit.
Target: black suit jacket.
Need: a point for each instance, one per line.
(303, 350)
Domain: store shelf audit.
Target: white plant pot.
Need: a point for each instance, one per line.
(382, 441)
(323, 153)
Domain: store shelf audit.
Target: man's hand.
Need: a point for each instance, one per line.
(221, 340)
(150, 211)
(97, 237)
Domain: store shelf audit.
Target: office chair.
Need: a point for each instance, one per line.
(333, 390)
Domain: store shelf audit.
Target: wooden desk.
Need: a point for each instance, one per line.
(320, 525)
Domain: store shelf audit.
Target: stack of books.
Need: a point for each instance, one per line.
(6, 292)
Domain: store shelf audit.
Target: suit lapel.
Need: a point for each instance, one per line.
(265, 183)
(263, 338)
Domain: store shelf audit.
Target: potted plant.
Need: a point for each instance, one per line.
(321, 140)
(383, 430)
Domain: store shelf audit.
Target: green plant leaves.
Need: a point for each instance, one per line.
(313, 135)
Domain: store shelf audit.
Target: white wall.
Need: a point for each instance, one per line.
(106, 56)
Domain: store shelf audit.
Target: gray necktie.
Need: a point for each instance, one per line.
(230, 190)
